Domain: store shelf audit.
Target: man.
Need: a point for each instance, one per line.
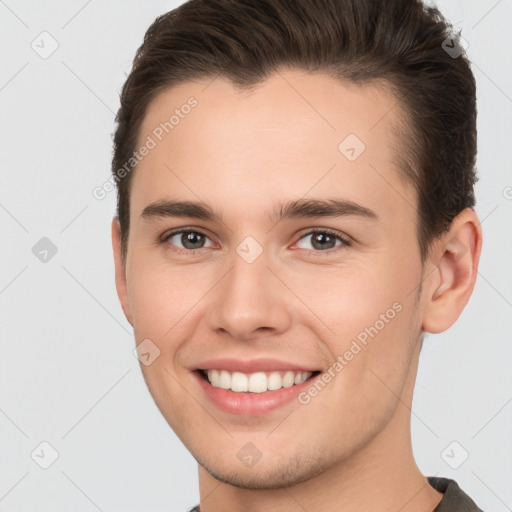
(295, 211)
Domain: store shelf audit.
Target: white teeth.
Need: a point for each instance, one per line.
(258, 382)
(288, 380)
(274, 381)
(225, 380)
(239, 382)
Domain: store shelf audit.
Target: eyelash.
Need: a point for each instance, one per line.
(345, 241)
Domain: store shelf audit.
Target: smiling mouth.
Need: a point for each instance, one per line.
(258, 382)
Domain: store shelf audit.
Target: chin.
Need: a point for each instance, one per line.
(270, 475)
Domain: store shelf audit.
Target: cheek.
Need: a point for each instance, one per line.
(161, 296)
(368, 317)
(346, 300)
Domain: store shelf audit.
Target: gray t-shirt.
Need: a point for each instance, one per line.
(454, 499)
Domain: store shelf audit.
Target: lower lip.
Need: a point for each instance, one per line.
(250, 404)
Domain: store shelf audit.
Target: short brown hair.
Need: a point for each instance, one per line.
(400, 42)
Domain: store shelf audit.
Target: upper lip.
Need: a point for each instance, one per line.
(252, 365)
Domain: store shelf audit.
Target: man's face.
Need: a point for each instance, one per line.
(283, 297)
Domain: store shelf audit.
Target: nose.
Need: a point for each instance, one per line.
(249, 302)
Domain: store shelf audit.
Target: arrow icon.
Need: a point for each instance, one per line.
(454, 46)
(44, 44)
(44, 455)
(247, 252)
(454, 455)
(146, 352)
(249, 455)
(351, 147)
(44, 250)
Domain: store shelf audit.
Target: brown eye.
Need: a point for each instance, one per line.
(189, 240)
(321, 241)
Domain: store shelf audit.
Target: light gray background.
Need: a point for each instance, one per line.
(68, 375)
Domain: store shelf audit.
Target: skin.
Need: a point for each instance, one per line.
(242, 154)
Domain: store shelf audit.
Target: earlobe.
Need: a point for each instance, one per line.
(456, 257)
(120, 270)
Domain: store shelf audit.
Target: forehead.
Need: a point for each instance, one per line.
(293, 132)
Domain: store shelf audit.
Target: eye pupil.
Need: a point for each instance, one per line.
(192, 240)
(323, 241)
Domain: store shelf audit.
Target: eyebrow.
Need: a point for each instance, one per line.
(172, 208)
(321, 208)
(300, 208)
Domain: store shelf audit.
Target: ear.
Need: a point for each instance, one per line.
(120, 266)
(455, 258)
